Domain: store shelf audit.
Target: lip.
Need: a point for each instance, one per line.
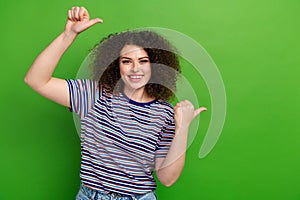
(135, 77)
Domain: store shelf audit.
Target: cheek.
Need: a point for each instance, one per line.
(148, 70)
(122, 70)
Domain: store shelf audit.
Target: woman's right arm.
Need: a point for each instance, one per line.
(39, 76)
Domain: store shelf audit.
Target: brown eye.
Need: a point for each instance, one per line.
(144, 61)
(125, 61)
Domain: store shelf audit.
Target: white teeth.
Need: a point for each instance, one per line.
(135, 76)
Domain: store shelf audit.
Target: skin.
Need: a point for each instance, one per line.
(39, 78)
(135, 71)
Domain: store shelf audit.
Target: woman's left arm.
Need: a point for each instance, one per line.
(168, 169)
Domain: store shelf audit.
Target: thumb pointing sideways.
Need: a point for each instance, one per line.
(92, 22)
(199, 110)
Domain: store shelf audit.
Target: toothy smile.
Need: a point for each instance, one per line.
(135, 76)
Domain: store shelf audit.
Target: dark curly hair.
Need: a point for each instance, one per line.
(162, 55)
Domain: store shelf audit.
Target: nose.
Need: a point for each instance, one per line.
(135, 66)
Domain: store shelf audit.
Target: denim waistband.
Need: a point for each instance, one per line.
(86, 192)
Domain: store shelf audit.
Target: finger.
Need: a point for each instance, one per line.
(99, 20)
(76, 13)
(177, 107)
(72, 14)
(92, 22)
(199, 110)
(83, 14)
(182, 103)
(69, 15)
(187, 102)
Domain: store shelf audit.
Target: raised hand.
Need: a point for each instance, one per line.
(185, 113)
(79, 20)
(39, 76)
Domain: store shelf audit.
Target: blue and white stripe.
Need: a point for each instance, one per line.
(120, 138)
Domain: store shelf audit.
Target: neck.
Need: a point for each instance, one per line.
(138, 95)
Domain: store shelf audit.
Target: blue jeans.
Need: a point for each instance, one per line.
(86, 193)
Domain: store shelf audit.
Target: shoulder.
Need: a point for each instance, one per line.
(168, 108)
(85, 88)
(165, 104)
(82, 83)
(105, 90)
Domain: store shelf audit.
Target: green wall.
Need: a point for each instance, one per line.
(255, 45)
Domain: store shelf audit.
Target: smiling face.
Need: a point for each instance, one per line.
(135, 68)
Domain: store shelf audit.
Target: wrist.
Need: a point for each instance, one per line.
(182, 127)
(69, 35)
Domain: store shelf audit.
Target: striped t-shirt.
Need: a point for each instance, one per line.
(120, 138)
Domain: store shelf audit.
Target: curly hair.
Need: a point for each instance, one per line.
(162, 55)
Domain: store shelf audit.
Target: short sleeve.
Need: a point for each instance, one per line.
(82, 94)
(166, 135)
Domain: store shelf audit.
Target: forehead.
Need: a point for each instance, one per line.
(133, 51)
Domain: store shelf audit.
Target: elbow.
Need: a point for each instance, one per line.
(166, 180)
(29, 82)
(168, 184)
(32, 82)
(26, 80)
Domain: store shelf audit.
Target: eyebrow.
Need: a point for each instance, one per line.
(131, 58)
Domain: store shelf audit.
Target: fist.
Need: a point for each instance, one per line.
(79, 20)
(185, 113)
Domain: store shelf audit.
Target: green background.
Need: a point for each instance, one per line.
(255, 45)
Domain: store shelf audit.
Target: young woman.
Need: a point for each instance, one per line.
(128, 129)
